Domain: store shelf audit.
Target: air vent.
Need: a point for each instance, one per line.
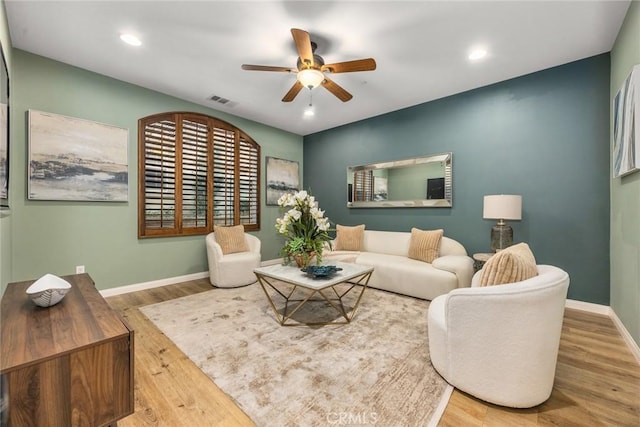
(221, 100)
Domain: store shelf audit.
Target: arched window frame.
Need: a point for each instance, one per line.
(195, 172)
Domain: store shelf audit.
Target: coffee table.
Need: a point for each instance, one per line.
(286, 280)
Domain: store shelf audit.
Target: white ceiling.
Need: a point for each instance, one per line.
(193, 50)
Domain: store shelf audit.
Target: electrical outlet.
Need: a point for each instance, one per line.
(79, 269)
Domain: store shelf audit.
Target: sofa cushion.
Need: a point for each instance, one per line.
(329, 257)
(386, 242)
(407, 276)
(349, 238)
(231, 239)
(425, 244)
(514, 264)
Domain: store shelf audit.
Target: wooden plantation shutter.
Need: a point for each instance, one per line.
(195, 172)
(195, 135)
(224, 174)
(157, 172)
(249, 187)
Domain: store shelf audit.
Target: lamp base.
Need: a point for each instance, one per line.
(501, 237)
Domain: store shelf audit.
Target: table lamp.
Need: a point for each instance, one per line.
(502, 207)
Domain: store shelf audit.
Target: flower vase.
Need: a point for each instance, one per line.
(304, 260)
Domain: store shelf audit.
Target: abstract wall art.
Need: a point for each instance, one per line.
(4, 132)
(76, 159)
(626, 126)
(282, 177)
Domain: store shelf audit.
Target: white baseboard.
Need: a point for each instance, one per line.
(153, 284)
(608, 311)
(588, 306)
(169, 281)
(626, 336)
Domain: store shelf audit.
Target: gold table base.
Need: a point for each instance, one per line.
(285, 318)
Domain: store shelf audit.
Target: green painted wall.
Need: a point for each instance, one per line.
(54, 237)
(5, 215)
(544, 136)
(625, 194)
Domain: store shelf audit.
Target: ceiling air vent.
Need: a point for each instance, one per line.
(221, 100)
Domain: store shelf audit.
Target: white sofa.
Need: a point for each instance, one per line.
(387, 252)
(500, 343)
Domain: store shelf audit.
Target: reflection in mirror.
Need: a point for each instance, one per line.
(415, 183)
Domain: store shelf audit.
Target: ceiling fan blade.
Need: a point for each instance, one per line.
(336, 89)
(295, 89)
(367, 64)
(267, 68)
(303, 45)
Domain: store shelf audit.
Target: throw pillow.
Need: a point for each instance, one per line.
(231, 239)
(425, 244)
(514, 264)
(349, 238)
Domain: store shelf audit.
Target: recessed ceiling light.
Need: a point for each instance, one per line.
(130, 39)
(477, 54)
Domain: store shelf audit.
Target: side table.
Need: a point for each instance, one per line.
(480, 258)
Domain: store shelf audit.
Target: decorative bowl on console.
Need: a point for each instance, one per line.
(48, 290)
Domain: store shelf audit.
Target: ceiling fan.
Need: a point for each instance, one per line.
(311, 68)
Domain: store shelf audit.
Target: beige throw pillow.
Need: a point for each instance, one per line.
(514, 264)
(231, 239)
(349, 238)
(425, 244)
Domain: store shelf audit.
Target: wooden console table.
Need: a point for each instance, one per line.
(66, 365)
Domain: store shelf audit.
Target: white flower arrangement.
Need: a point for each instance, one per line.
(304, 225)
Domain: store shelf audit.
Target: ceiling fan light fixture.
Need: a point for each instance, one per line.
(310, 69)
(310, 77)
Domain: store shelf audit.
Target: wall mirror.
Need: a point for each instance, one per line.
(418, 182)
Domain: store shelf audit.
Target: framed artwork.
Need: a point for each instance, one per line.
(282, 177)
(626, 126)
(76, 159)
(4, 132)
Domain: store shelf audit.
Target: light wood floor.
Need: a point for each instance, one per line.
(597, 379)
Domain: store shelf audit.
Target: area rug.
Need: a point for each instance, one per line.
(375, 370)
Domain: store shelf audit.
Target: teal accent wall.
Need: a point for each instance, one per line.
(625, 193)
(544, 136)
(54, 237)
(5, 215)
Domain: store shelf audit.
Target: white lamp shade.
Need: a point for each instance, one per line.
(503, 206)
(310, 78)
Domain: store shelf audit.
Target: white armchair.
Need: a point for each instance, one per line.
(235, 269)
(500, 343)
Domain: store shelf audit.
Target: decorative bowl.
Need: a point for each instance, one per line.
(48, 290)
(318, 271)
